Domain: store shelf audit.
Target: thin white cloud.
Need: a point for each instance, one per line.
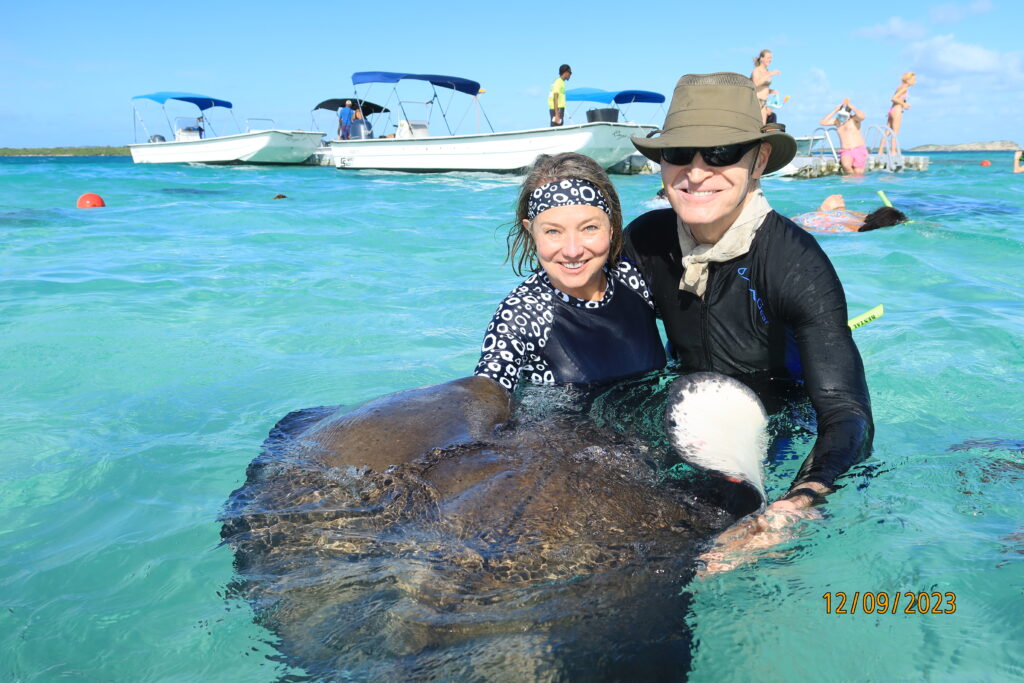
(944, 56)
(947, 90)
(819, 83)
(952, 13)
(894, 28)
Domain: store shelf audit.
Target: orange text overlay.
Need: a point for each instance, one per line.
(907, 602)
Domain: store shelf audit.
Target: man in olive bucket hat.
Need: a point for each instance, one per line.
(746, 292)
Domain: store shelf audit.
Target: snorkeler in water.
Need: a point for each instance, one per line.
(833, 216)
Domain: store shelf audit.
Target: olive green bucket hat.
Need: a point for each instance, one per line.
(708, 110)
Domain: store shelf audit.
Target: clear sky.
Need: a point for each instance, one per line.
(68, 70)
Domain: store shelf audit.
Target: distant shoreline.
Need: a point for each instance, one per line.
(995, 146)
(64, 152)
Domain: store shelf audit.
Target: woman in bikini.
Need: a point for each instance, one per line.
(762, 78)
(899, 103)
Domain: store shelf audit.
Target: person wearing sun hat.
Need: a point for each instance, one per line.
(744, 291)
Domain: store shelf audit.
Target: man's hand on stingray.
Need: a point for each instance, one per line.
(750, 538)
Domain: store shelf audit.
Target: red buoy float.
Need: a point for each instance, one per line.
(986, 162)
(90, 200)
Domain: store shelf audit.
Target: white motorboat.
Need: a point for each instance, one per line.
(412, 148)
(617, 102)
(191, 144)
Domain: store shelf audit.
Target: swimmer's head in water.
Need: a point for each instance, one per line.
(882, 218)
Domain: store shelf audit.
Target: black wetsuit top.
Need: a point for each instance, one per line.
(778, 311)
(549, 337)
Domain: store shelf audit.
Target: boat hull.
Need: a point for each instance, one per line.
(606, 143)
(633, 164)
(256, 147)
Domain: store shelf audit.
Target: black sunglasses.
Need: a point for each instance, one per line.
(720, 155)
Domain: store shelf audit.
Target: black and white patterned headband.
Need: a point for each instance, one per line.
(566, 192)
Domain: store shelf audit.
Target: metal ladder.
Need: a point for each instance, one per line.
(826, 134)
(887, 140)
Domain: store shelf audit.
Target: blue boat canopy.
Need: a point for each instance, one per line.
(616, 96)
(202, 101)
(463, 85)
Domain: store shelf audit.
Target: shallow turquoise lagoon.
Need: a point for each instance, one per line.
(148, 347)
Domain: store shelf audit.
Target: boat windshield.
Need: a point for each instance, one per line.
(189, 128)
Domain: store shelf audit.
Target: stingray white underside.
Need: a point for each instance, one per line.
(718, 424)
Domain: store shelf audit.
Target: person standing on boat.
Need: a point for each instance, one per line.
(745, 291)
(854, 153)
(556, 98)
(345, 115)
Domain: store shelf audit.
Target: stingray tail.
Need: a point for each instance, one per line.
(718, 424)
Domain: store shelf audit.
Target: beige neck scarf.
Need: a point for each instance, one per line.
(735, 242)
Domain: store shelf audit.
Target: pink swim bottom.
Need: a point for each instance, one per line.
(858, 156)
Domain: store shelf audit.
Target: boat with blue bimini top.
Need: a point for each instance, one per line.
(412, 148)
(193, 142)
(616, 108)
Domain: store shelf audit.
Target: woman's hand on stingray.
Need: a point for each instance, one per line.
(752, 537)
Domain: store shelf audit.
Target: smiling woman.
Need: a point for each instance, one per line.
(573, 242)
(583, 316)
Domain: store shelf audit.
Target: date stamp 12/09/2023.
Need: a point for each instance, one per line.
(907, 602)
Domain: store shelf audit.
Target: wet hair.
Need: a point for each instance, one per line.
(760, 56)
(522, 250)
(882, 217)
(562, 69)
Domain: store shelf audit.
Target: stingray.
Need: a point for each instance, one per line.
(431, 534)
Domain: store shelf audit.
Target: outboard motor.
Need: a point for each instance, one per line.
(360, 130)
(608, 114)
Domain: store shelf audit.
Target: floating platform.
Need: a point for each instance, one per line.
(818, 166)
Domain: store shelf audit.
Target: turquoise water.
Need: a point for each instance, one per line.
(149, 346)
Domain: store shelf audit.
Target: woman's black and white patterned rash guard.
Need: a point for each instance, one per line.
(549, 337)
